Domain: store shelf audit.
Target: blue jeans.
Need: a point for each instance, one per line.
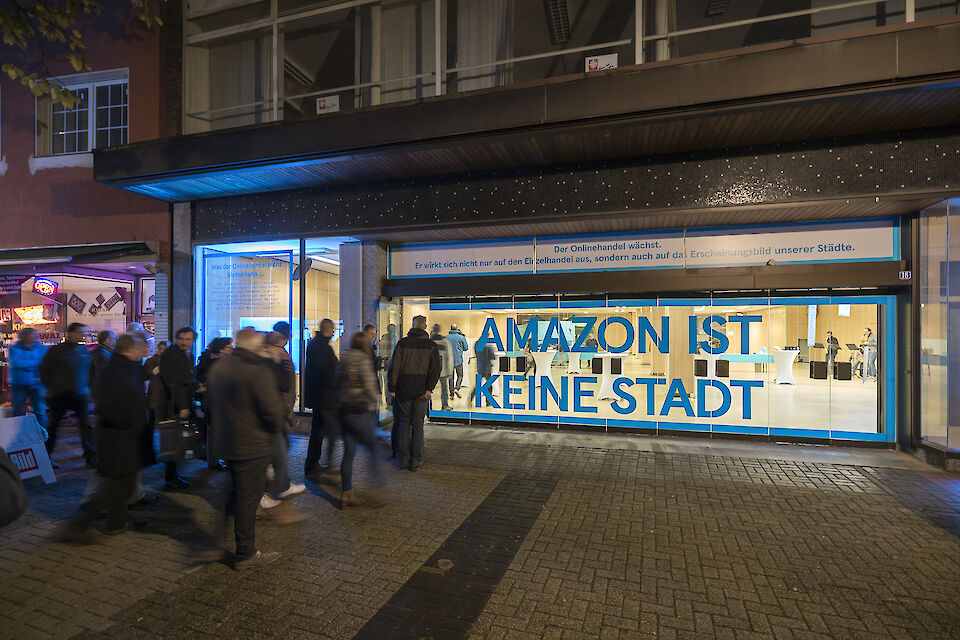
(281, 468)
(358, 428)
(18, 396)
(412, 413)
(872, 364)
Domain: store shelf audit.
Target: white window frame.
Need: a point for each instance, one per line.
(89, 81)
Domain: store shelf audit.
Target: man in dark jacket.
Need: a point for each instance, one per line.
(176, 371)
(248, 413)
(321, 393)
(414, 371)
(99, 358)
(65, 371)
(121, 420)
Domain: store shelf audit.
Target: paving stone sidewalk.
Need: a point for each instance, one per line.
(516, 539)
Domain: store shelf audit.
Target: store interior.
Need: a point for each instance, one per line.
(844, 399)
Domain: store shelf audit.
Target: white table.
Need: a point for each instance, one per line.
(543, 360)
(21, 438)
(573, 361)
(605, 391)
(784, 359)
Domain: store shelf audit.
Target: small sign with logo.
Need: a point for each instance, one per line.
(328, 104)
(44, 287)
(905, 275)
(600, 63)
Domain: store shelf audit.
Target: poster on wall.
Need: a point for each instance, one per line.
(148, 295)
(108, 308)
(11, 283)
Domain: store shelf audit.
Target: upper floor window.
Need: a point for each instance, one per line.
(98, 119)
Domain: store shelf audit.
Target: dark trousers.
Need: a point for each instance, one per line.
(412, 414)
(358, 428)
(59, 405)
(249, 481)
(324, 424)
(457, 379)
(112, 494)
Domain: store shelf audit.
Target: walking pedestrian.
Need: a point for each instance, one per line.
(179, 380)
(248, 413)
(121, 421)
(156, 406)
(24, 362)
(458, 346)
(446, 366)
(65, 371)
(358, 408)
(99, 358)
(321, 387)
(281, 486)
(217, 349)
(414, 372)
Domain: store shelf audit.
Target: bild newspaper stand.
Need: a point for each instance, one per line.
(22, 439)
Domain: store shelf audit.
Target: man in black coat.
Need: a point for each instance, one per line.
(248, 413)
(65, 372)
(121, 421)
(321, 387)
(176, 371)
(414, 371)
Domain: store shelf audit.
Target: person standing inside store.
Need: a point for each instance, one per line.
(869, 345)
(65, 371)
(458, 346)
(179, 380)
(321, 390)
(446, 366)
(24, 366)
(217, 349)
(485, 357)
(833, 347)
(121, 421)
(359, 399)
(414, 372)
(248, 414)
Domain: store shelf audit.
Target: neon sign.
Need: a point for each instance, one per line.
(44, 287)
(34, 314)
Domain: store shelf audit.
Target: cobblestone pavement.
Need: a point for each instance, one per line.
(518, 538)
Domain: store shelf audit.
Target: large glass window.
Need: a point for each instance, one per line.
(813, 367)
(939, 317)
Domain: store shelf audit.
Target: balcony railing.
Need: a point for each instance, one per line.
(265, 60)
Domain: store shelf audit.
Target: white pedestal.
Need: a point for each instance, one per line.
(543, 360)
(605, 391)
(21, 438)
(784, 362)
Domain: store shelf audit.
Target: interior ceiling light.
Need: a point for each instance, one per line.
(558, 21)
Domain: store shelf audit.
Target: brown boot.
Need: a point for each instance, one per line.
(348, 499)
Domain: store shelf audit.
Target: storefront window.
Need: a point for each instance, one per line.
(793, 367)
(939, 315)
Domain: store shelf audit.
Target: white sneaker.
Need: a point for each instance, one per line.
(293, 490)
(266, 502)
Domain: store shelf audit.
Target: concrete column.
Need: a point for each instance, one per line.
(362, 266)
(181, 268)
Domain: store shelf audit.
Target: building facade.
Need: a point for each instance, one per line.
(72, 249)
(662, 218)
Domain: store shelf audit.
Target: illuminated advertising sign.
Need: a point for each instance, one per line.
(44, 287)
(36, 314)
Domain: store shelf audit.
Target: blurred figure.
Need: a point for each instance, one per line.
(156, 406)
(446, 366)
(414, 371)
(121, 421)
(485, 357)
(65, 371)
(358, 408)
(24, 361)
(320, 393)
(217, 349)
(179, 381)
(13, 497)
(281, 487)
(458, 346)
(99, 358)
(248, 414)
